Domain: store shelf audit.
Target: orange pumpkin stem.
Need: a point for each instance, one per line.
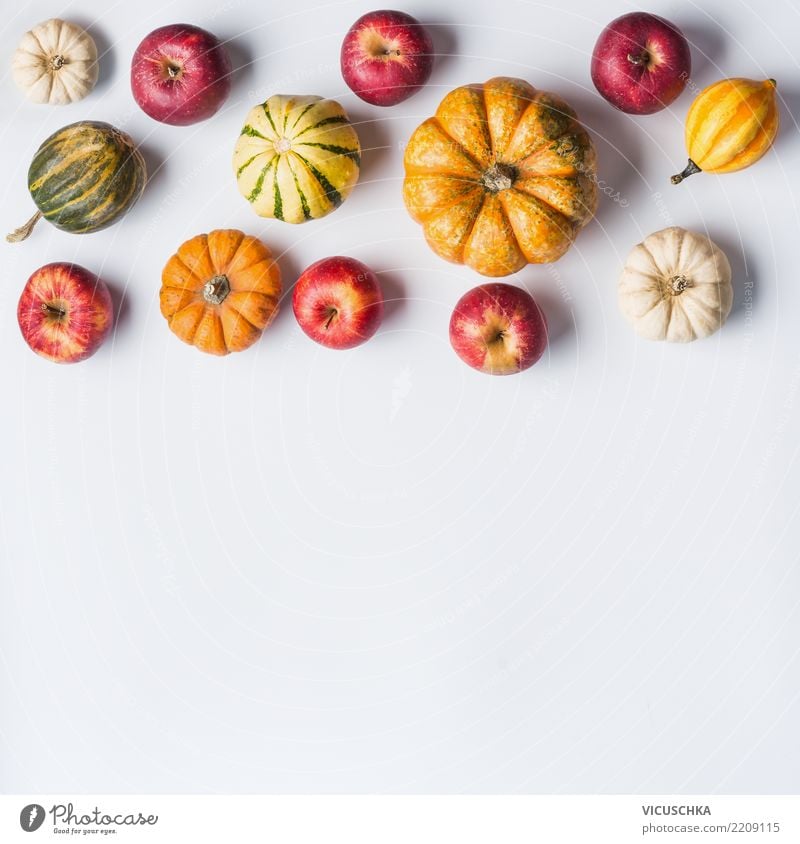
(499, 177)
(690, 169)
(216, 290)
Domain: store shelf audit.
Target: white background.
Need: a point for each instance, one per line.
(296, 569)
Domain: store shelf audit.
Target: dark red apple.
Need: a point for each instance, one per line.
(338, 302)
(498, 329)
(180, 74)
(641, 63)
(386, 57)
(65, 312)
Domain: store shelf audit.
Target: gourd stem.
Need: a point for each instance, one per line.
(690, 169)
(24, 231)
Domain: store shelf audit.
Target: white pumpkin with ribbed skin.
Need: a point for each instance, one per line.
(676, 286)
(55, 63)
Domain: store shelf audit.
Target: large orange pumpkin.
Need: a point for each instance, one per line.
(220, 291)
(502, 176)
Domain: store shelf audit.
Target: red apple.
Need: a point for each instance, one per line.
(641, 63)
(65, 312)
(338, 302)
(386, 57)
(180, 74)
(498, 329)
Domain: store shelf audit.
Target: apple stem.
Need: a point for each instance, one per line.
(24, 231)
(53, 310)
(174, 70)
(690, 169)
(332, 314)
(640, 58)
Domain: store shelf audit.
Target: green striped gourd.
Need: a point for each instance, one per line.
(84, 178)
(297, 158)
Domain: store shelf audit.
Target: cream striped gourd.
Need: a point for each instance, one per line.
(297, 158)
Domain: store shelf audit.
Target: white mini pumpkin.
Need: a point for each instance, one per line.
(55, 63)
(676, 286)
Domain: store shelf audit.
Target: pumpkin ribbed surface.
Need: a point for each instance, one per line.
(297, 158)
(503, 175)
(220, 290)
(676, 286)
(86, 176)
(56, 62)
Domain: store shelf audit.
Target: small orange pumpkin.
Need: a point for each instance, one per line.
(220, 290)
(503, 175)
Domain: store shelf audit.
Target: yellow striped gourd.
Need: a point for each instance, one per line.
(730, 125)
(297, 158)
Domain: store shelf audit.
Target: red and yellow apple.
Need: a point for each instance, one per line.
(180, 74)
(338, 302)
(386, 57)
(498, 329)
(641, 63)
(65, 312)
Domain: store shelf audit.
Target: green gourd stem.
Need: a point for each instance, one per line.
(24, 231)
(690, 169)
